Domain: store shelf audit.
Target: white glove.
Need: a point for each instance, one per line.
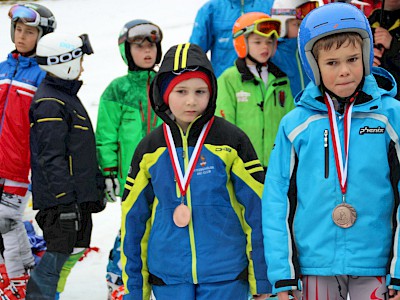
(112, 189)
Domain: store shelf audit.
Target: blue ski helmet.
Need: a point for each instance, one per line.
(138, 28)
(330, 19)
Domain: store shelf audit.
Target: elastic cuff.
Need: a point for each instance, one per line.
(264, 287)
(392, 283)
(287, 285)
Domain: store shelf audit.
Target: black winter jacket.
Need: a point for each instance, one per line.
(63, 149)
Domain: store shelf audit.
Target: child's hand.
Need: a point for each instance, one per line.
(285, 296)
(394, 295)
(382, 37)
(261, 296)
(377, 56)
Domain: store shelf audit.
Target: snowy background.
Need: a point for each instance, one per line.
(103, 20)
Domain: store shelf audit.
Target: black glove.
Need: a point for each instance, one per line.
(69, 217)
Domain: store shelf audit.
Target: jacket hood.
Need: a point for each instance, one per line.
(378, 84)
(178, 59)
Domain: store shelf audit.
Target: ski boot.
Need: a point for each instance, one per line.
(3, 296)
(118, 294)
(4, 281)
(17, 288)
(111, 288)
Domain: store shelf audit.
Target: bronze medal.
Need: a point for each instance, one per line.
(181, 215)
(344, 215)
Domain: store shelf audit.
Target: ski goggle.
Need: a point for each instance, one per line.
(25, 14)
(299, 12)
(87, 46)
(264, 27)
(138, 34)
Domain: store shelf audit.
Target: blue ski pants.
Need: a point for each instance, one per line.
(236, 289)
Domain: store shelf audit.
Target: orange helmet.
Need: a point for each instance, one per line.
(253, 22)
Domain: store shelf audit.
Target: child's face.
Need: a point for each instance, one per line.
(292, 28)
(341, 69)
(144, 54)
(25, 37)
(392, 5)
(260, 48)
(188, 100)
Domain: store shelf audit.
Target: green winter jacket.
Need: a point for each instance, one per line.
(125, 116)
(257, 109)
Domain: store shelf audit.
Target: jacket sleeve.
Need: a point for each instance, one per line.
(108, 122)
(50, 131)
(393, 276)
(247, 178)
(202, 33)
(135, 229)
(277, 209)
(226, 99)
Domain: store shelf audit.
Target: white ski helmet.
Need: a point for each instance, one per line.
(283, 10)
(61, 54)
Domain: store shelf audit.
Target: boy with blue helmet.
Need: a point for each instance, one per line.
(332, 182)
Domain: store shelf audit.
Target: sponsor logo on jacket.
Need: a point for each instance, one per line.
(204, 169)
(371, 130)
(242, 96)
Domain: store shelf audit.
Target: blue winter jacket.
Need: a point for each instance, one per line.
(223, 240)
(302, 189)
(213, 25)
(288, 60)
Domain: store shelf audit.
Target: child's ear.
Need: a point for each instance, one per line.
(275, 46)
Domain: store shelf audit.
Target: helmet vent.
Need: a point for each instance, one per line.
(322, 24)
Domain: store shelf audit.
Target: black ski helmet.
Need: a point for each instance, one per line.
(124, 46)
(45, 19)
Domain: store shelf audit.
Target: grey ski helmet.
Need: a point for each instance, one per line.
(133, 29)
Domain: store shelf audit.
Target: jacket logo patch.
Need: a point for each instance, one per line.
(242, 96)
(204, 169)
(370, 130)
(203, 162)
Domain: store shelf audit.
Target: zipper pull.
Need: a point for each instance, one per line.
(325, 138)
(326, 152)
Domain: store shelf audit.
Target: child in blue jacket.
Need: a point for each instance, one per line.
(191, 210)
(332, 185)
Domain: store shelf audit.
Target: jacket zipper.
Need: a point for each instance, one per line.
(326, 148)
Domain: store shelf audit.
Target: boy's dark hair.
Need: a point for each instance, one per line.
(338, 39)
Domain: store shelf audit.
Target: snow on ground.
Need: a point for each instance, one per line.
(103, 20)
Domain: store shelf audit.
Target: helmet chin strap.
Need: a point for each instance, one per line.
(258, 64)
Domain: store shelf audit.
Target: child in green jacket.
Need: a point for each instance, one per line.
(255, 94)
(125, 115)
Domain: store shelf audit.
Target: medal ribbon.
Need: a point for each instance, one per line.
(337, 149)
(183, 181)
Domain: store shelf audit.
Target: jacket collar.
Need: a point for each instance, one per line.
(15, 58)
(248, 76)
(70, 87)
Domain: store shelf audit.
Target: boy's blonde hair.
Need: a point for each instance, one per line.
(338, 39)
